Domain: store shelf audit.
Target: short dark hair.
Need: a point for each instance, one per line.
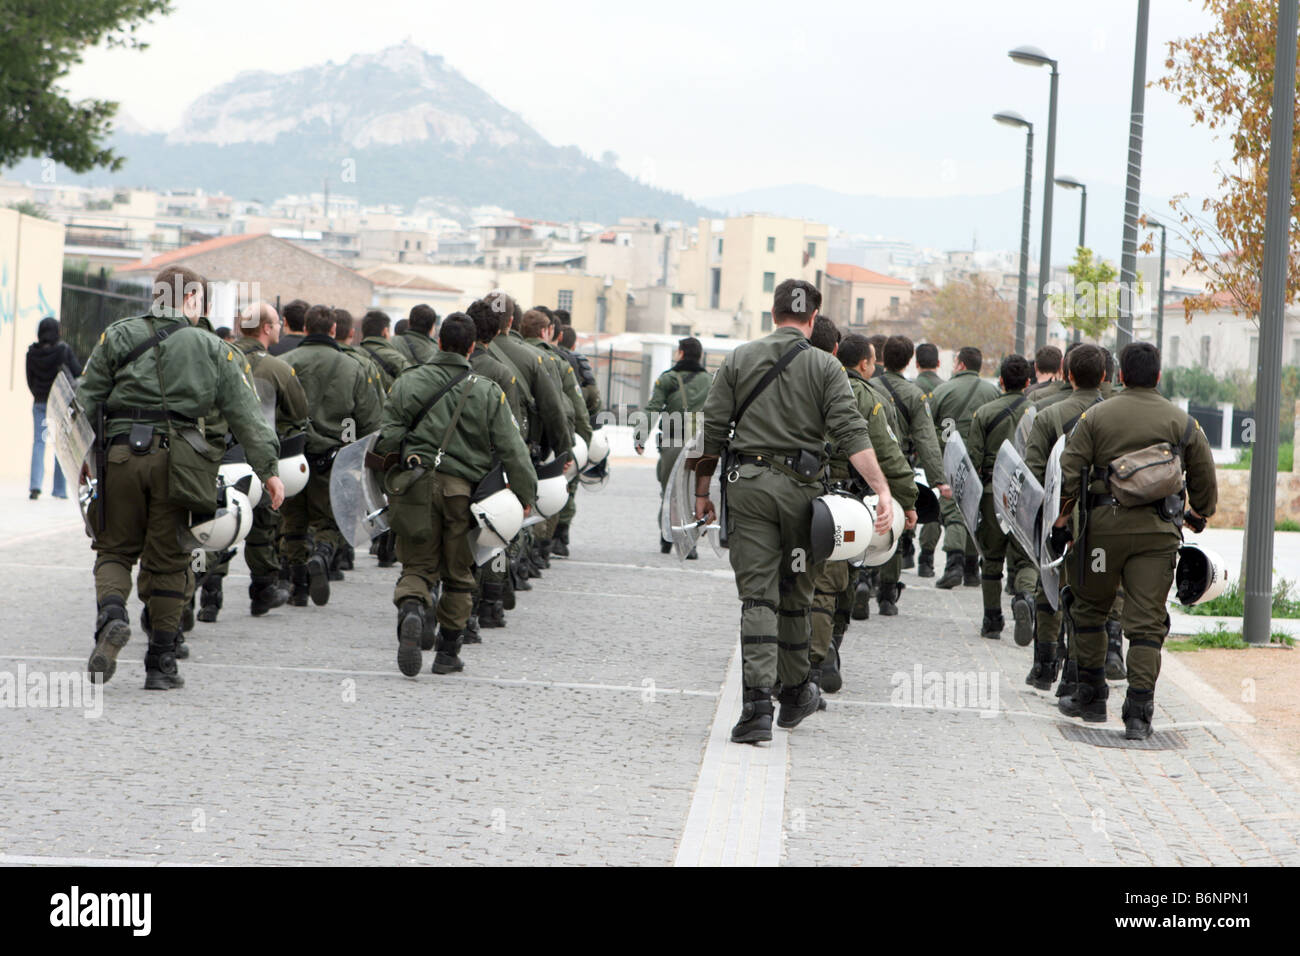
(1014, 372)
(1110, 364)
(535, 320)
(174, 283)
(825, 335)
(503, 307)
(457, 333)
(1139, 364)
(854, 347)
(320, 320)
(795, 299)
(927, 355)
(487, 324)
(897, 352)
(422, 318)
(691, 348)
(295, 315)
(563, 316)
(342, 324)
(568, 337)
(1086, 364)
(878, 347)
(374, 322)
(400, 326)
(1048, 359)
(225, 334)
(971, 357)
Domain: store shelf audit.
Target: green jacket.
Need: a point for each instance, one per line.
(927, 381)
(1133, 419)
(807, 402)
(1051, 393)
(1049, 425)
(339, 393)
(990, 427)
(199, 373)
(489, 364)
(680, 392)
(389, 362)
(362, 357)
(913, 424)
(484, 433)
(954, 402)
(416, 347)
(291, 412)
(899, 474)
(568, 385)
(548, 418)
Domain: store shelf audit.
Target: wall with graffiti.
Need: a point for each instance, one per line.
(31, 275)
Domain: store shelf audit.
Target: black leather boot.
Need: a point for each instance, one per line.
(490, 612)
(298, 575)
(112, 631)
(410, 631)
(1022, 609)
(797, 703)
(542, 555)
(992, 625)
(1046, 667)
(210, 599)
(345, 560)
(519, 576)
(925, 564)
(1115, 669)
(971, 571)
(831, 679)
(1069, 678)
(471, 629)
(318, 574)
(755, 725)
(862, 595)
(952, 571)
(1089, 697)
(508, 592)
(187, 616)
(1139, 708)
(386, 552)
(907, 551)
(888, 600)
(560, 543)
(665, 547)
(447, 660)
(336, 564)
(264, 593)
(160, 670)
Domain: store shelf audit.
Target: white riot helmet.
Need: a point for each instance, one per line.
(233, 472)
(294, 470)
(499, 514)
(1201, 575)
(579, 452)
(222, 529)
(598, 447)
(883, 546)
(841, 528)
(596, 475)
(552, 488)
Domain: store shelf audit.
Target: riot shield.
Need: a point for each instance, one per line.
(1023, 429)
(357, 494)
(967, 489)
(266, 398)
(1048, 570)
(1017, 498)
(677, 516)
(72, 433)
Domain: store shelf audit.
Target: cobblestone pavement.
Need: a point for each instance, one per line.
(581, 734)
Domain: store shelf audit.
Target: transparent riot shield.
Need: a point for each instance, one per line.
(266, 399)
(967, 489)
(71, 432)
(1023, 429)
(357, 495)
(677, 515)
(1049, 569)
(1017, 498)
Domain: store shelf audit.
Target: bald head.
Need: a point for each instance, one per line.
(260, 321)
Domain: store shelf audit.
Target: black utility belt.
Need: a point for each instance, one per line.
(804, 464)
(1102, 501)
(138, 442)
(148, 415)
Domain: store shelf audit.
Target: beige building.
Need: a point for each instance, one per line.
(858, 299)
(636, 250)
(398, 292)
(396, 245)
(734, 264)
(661, 310)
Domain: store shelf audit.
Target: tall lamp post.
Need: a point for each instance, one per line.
(1008, 118)
(1032, 56)
(1133, 188)
(1160, 296)
(1069, 182)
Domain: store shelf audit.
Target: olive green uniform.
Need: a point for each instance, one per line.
(768, 504)
(389, 362)
(580, 422)
(548, 412)
(927, 381)
(198, 373)
(431, 516)
(1133, 547)
(952, 406)
(416, 347)
(678, 397)
(1050, 394)
(991, 425)
(344, 407)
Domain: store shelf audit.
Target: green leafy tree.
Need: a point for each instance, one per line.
(1092, 305)
(28, 208)
(40, 41)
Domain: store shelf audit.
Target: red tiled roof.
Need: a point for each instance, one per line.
(852, 273)
(177, 255)
(392, 278)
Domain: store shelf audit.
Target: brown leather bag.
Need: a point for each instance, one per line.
(1149, 474)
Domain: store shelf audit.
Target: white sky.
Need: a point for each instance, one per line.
(710, 98)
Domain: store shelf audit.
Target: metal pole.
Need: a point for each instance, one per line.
(1045, 250)
(1132, 193)
(1268, 378)
(1083, 220)
(1022, 295)
(1160, 300)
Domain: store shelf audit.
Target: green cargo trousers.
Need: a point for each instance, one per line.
(930, 535)
(443, 555)
(1000, 548)
(141, 525)
(307, 515)
(768, 516)
(1143, 564)
(955, 535)
(832, 602)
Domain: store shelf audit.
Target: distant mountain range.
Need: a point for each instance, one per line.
(408, 124)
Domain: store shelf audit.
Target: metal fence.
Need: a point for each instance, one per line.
(1211, 419)
(91, 302)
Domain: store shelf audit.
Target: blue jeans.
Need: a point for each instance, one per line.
(38, 456)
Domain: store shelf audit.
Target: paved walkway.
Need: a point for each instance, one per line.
(591, 730)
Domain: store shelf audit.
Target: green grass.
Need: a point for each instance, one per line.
(1231, 603)
(1224, 639)
(1285, 458)
(1287, 524)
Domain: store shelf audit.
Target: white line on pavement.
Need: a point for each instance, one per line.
(8, 859)
(711, 572)
(738, 805)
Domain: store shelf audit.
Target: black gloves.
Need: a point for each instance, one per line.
(1058, 538)
(1194, 521)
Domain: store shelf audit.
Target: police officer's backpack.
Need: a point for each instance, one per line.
(1149, 474)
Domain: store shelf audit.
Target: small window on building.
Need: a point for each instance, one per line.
(769, 281)
(719, 247)
(859, 312)
(565, 300)
(812, 250)
(679, 300)
(771, 243)
(893, 305)
(417, 245)
(406, 244)
(682, 330)
(767, 321)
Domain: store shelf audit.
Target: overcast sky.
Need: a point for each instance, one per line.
(710, 97)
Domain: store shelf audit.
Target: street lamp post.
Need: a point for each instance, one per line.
(1160, 295)
(1133, 189)
(1032, 56)
(1008, 118)
(1069, 182)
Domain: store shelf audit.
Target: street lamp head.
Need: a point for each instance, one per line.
(1152, 223)
(1031, 56)
(1069, 182)
(1009, 118)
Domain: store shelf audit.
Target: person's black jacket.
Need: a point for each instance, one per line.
(45, 357)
